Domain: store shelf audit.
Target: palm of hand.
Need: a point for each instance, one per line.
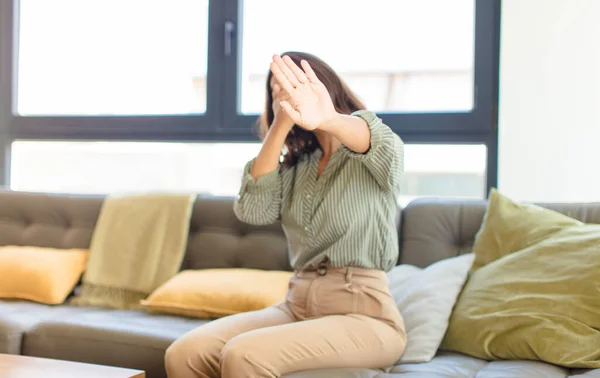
(313, 105)
(280, 115)
(309, 104)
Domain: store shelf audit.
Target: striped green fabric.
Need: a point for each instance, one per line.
(346, 215)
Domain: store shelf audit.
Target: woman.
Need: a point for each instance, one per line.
(335, 193)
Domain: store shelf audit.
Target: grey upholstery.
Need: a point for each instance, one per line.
(131, 339)
(431, 229)
(434, 229)
(453, 365)
(46, 220)
(17, 318)
(219, 240)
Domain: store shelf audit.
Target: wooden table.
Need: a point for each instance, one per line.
(12, 366)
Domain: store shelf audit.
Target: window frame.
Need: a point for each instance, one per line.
(222, 123)
(485, 82)
(116, 127)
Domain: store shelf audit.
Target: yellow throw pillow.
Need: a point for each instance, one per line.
(509, 226)
(541, 302)
(44, 275)
(213, 293)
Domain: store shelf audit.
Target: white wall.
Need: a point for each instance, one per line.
(549, 130)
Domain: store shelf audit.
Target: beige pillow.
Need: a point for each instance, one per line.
(540, 302)
(44, 275)
(213, 293)
(425, 298)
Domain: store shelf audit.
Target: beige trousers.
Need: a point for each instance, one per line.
(344, 318)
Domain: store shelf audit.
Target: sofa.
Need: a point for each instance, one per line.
(429, 230)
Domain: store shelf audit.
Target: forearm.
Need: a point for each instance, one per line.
(352, 131)
(259, 199)
(365, 137)
(267, 160)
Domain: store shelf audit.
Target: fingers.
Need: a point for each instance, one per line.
(291, 112)
(281, 77)
(286, 67)
(291, 77)
(300, 76)
(309, 72)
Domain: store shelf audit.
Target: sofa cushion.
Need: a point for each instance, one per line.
(130, 339)
(453, 365)
(338, 373)
(16, 318)
(450, 365)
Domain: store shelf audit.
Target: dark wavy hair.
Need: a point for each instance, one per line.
(299, 142)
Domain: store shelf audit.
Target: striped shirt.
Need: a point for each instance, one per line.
(346, 216)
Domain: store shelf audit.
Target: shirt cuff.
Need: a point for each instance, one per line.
(376, 128)
(260, 185)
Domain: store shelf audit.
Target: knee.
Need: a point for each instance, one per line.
(175, 355)
(240, 357)
(193, 357)
(179, 357)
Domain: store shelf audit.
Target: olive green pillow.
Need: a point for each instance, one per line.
(509, 226)
(536, 295)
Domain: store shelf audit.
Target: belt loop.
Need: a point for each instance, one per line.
(349, 271)
(322, 268)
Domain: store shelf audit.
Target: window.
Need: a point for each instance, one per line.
(419, 57)
(109, 167)
(158, 78)
(214, 168)
(444, 171)
(107, 57)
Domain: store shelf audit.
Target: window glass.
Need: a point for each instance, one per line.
(213, 168)
(112, 57)
(397, 55)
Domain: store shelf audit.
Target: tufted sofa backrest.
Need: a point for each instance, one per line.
(431, 229)
(46, 220)
(434, 229)
(217, 238)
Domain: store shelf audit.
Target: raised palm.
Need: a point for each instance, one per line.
(309, 104)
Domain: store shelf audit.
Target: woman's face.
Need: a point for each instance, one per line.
(278, 95)
(272, 83)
